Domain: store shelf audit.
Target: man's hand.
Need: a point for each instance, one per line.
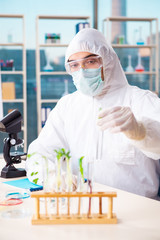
(121, 119)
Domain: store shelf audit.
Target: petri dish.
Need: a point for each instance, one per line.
(17, 195)
(12, 204)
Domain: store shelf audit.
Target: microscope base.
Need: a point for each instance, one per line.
(12, 172)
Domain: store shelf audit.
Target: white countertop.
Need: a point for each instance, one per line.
(138, 219)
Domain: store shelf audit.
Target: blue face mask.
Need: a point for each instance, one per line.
(88, 81)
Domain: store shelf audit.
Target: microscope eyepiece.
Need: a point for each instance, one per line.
(11, 123)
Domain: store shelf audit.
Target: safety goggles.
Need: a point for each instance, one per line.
(85, 63)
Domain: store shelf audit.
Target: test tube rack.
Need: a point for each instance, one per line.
(78, 218)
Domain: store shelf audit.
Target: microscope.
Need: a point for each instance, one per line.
(11, 124)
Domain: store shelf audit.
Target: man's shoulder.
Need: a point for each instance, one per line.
(140, 93)
(68, 97)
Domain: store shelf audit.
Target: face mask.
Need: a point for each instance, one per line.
(88, 81)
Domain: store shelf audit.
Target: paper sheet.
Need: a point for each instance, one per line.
(22, 183)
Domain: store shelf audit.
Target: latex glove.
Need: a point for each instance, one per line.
(121, 119)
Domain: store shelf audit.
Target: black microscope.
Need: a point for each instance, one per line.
(11, 124)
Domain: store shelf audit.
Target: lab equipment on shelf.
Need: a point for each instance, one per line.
(120, 39)
(129, 68)
(44, 114)
(52, 38)
(140, 40)
(139, 67)
(81, 25)
(48, 67)
(7, 65)
(66, 92)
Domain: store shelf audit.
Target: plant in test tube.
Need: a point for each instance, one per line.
(61, 153)
(81, 175)
(34, 173)
(45, 169)
(100, 109)
(69, 172)
(90, 183)
(81, 168)
(59, 180)
(45, 174)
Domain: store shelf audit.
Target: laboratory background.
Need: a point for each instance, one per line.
(34, 35)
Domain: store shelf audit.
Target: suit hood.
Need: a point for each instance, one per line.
(93, 41)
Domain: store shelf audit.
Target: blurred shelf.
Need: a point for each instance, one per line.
(153, 58)
(13, 100)
(63, 17)
(53, 73)
(11, 44)
(49, 100)
(11, 16)
(53, 45)
(140, 73)
(21, 44)
(133, 46)
(129, 19)
(11, 72)
(39, 72)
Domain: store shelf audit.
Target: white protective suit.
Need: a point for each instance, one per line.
(126, 164)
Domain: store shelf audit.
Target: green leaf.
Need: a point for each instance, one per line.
(100, 110)
(34, 173)
(44, 157)
(35, 180)
(81, 167)
(30, 154)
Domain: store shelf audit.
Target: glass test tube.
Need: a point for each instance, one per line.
(99, 147)
(90, 180)
(69, 175)
(45, 174)
(58, 176)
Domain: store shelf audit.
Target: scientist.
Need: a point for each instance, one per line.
(104, 101)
